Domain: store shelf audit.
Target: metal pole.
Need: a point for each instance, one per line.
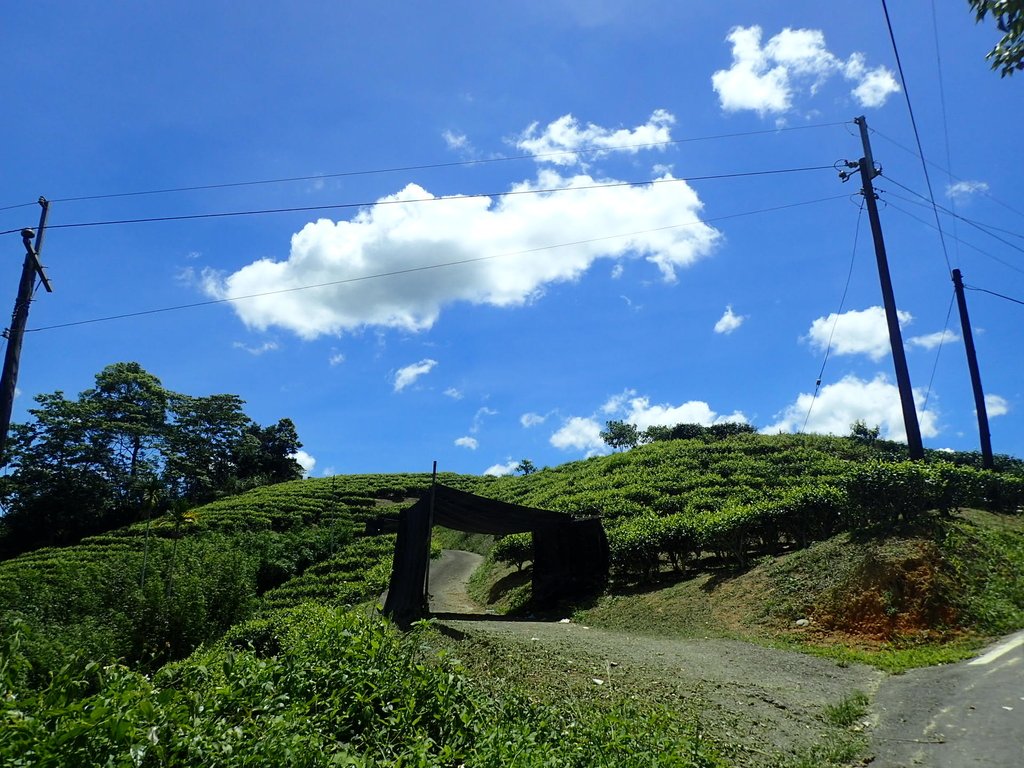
(12, 356)
(987, 460)
(899, 355)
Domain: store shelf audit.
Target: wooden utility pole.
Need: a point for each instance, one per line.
(899, 355)
(26, 288)
(987, 460)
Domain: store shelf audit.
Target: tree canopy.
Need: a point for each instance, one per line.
(1008, 54)
(127, 444)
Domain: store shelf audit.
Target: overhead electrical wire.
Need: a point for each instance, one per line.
(427, 166)
(993, 293)
(980, 225)
(1005, 263)
(917, 135)
(423, 268)
(912, 153)
(942, 107)
(942, 341)
(842, 303)
(341, 206)
(983, 228)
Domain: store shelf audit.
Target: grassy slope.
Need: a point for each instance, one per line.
(253, 555)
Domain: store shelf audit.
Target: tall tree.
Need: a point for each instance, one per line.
(91, 464)
(620, 434)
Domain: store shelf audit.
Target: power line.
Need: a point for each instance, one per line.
(917, 135)
(410, 270)
(983, 228)
(942, 341)
(427, 166)
(912, 153)
(842, 303)
(1005, 263)
(993, 293)
(510, 193)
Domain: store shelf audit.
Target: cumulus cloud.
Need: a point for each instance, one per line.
(638, 410)
(336, 358)
(729, 321)
(408, 375)
(932, 340)
(996, 406)
(766, 78)
(467, 442)
(500, 470)
(453, 393)
(962, 190)
(509, 248)
(584, 433)
(581, 434)
(531, 419)
(857, 332)
(305, 460)
(841, 404)
(560, 141)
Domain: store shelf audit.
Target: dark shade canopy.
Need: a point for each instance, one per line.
(570, 554)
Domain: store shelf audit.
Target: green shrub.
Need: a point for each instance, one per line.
(513, 549)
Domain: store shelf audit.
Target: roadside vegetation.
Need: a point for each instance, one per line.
(238, 628)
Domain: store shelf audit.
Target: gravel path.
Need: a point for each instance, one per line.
(768, 701)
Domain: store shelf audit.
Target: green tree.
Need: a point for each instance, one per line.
(526, 467)
(98, 462)
(620, 434)
(1008, 54)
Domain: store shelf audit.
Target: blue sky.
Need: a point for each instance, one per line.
(455, 321)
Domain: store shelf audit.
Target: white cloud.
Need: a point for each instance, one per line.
(580, 434)
(996, 406)
(410, 373)
(531, 420)
(876, 86)
(306, 461)
(766, 78)
(962, 190)
(839, 405)
(617, 271)
(559, 141)
(500, 470)
(268, 346)
(336, 358)
(456, 141)
(328, 471)
(857, 332)
(584, 434)
(932, 340)
(479, 417)
(640, 412)
(467, 442)
(729, 321)
(616, 403)
(453, 393)
(507, 242)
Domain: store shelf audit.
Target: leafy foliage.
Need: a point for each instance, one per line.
(126, 446)
(316, 687)
(515, 549)
(1008, 54)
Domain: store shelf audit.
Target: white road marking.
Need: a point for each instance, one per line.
(1014, 642)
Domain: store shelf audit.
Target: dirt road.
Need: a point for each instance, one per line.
(771, 702)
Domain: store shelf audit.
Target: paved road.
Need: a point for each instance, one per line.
(956, 716)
